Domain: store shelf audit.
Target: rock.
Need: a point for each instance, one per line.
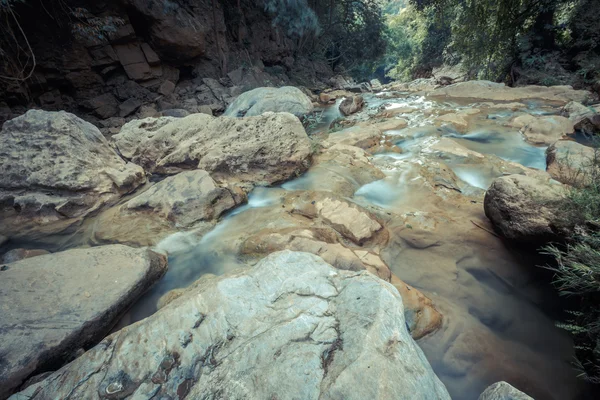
(177, 33)
(258, 101)
(166, 88)
(589, 124)
(54, 304)
(486, 90)
(176, 203)
(376, 84)
(543, 130)
(150, 54)
(526, 209)
(421, 315)
(147, 111)
(459, 120)
(205, 110)
(175, 113)
(21, 254)
(365, 137)
(503, 391)
(129, 107)
(577, 111)
(342, 169)
(257, 150)
(345, 337)
(133, 60)
(57, 169)
(571, 163)
(103, 106)
(351, 105)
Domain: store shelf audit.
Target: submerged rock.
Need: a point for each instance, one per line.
(178, 202)
(305, 331)
(21, 254)
(526, 209)
(55, 304)
(254, 151)
(503, 391)
(255, 102)
(56, 170)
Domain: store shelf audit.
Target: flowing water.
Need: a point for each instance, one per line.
(498, 313)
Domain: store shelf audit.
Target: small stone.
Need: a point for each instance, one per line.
(166, 88)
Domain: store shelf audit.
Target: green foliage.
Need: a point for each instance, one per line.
(523, 41)
(577, 268)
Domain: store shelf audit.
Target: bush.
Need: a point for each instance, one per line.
(577, 270)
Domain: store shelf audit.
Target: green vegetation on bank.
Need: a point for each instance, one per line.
(546, 42)
(577, 269)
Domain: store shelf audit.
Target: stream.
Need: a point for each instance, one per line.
(499, 315)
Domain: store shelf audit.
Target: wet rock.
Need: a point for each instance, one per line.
(176, 203)
(543, 130)
(486, 90)
(577, 111)
(21, 254)
(350, 220)
(503, 391)
(526, 209)
(351, 105)
(364, 137)
(571, 163)
(459, 120)
(256, 150)
(54, 304)
(57, 169)
(341, 169)
(345, 337)
(258, 101)
(421, 315)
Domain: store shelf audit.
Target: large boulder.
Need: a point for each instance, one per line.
(180, 202)
(526, 209)
(503, 391)
(485, 90)
(57, 169)
(572, 163)
(543, 130)
(54, 305)
(291, 327)
(258, 101)
(257, 150)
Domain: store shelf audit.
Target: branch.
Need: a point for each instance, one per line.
(9, 8)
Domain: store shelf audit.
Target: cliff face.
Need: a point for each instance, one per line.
(105, 59)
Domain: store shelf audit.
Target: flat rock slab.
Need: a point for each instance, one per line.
(486, 90)
(292, 327)
(53, 305)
